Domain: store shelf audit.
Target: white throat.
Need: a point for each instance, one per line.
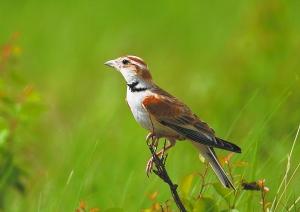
(132, 79)
(128, 75)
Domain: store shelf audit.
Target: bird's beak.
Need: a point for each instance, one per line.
(111, 63)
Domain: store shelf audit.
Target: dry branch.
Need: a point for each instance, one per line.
(162, 173)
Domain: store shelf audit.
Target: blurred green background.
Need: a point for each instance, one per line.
(235, 63)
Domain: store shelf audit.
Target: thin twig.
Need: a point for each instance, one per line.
(203, 184)
(263, 198)
(232, 206)
(162, 173)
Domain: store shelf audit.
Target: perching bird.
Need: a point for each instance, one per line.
(164, 116)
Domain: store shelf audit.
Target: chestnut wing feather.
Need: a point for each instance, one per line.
(172, 113)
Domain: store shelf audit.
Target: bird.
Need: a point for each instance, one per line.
(165, 116)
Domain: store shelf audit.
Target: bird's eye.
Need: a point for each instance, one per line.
(125, 62)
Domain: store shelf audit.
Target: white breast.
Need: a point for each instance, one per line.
(135, 100)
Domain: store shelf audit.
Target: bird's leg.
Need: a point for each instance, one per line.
(166, 147)
(148, 137)
(154, 140)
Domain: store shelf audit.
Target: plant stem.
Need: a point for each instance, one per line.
(162, 173)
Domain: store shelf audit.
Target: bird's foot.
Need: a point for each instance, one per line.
(149, 138)
(149, 166)
(152, 140)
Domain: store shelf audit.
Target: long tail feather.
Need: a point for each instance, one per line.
(209, 154)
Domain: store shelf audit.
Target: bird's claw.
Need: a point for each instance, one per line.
(149, 166)
(148, 138)
(152, 140)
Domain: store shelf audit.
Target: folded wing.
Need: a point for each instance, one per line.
(172, 113)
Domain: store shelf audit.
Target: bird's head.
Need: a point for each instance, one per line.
(132, 68)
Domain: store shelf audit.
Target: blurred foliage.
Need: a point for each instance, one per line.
(19, 106)
(199, 201)
(235, 63)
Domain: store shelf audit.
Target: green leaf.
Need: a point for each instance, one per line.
(205, 204)
(188, 204)
(186, 185)
(223, 192)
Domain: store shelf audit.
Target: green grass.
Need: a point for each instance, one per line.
(234, 63)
